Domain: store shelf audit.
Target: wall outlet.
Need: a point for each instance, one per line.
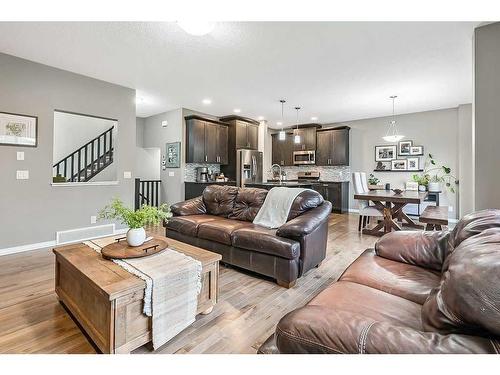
(20, 155)
(171, 174)
(22, 175)
(164, 124)
(127, 174)
(93, 219)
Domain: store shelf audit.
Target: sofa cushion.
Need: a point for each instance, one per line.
(247, 203)
(220, 230)
(219, 200)
(188, 225)
(468, 297)
(263, 240)
(305, 201)
(400, 279)
(370, 303)
(473, 224)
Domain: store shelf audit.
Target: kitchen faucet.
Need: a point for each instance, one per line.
(279, 167)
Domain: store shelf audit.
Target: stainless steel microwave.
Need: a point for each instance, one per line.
(304, 157)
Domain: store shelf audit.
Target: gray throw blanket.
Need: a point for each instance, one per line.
(276, 207)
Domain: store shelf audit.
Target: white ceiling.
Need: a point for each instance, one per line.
(337, 71)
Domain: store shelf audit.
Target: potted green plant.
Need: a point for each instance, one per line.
(436, 174)
(372, 181)
(422, 180)
(135, 220)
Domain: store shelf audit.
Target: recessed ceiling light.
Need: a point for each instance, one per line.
(197, 27)
(314, 118)
(279, 123)
(236, 110)
(260, 118)
(207, 101)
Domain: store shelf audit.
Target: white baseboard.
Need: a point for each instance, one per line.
(42, 245)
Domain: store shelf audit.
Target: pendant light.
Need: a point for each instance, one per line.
(282, 134)
(392, 134)
(296, 139)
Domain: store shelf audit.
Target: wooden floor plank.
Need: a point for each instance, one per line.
(250, 306)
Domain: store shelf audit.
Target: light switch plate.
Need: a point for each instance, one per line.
(164, 124)
(171, 174)
(127, 174)
(22, 175)
(93, 219)
(20, 155)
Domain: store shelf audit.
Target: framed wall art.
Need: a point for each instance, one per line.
(173, 155)
(416, 150)
(404, 148)
(385, 153)
(399, 165)
(413, 164)
(18, 130)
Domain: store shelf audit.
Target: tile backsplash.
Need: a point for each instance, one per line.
(334, 174)
(190, 170)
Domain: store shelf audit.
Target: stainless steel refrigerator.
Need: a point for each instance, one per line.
(248, 167)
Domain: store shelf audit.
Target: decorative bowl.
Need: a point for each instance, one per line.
(397, 191)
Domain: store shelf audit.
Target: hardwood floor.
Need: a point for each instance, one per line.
(250, 306)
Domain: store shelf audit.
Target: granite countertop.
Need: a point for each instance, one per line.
(211, 182)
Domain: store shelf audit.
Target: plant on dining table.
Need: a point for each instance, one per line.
(372, 180)
(436, 173)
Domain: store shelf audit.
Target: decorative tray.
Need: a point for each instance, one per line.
(121, 250)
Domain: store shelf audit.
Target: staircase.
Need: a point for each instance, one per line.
(87, 161)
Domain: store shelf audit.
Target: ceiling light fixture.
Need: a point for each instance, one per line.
(296, 139)
(314, 118)
(392, 134)
(207, 101)
(236, 110)
(282, 134)
(196, 27)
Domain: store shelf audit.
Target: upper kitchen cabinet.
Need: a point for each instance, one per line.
(206, 140)
(244, 131)
(307, 138)
(332, 146)
(282, 151)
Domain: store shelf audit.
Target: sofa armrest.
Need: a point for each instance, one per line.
(306, 223)
(423, 249)
(318, 329)
(194, 206)
(384, 338)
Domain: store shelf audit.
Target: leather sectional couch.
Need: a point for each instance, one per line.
(221, 221)
(416, 292)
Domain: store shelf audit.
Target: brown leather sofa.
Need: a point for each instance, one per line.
(416, 292)
(221, 221)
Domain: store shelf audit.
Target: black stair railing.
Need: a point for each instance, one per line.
(147, 192)
(90, 159)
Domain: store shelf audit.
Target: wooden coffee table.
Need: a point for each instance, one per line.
(107, 301)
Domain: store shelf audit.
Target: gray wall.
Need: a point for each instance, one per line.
(487, 116)
(33, 210)
(465, 160)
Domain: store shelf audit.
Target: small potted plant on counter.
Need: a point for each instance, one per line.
(373, 182)
(135, 220)
(422, 180)
(435, 174)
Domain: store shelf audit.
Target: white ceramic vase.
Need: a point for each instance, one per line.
(434, 186)
(136, 236)
(422, 188)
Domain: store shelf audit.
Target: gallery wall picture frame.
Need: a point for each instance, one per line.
(173, 155)
(18, 130)
(399, 165)
(413, 164)
(404, 148)
(385, 152)
(417, 150)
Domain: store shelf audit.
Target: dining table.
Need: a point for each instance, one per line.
(390, 205)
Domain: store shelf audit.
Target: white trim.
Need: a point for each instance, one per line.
(90, 183)
(58, 233)
(29, 247)
(42, 245)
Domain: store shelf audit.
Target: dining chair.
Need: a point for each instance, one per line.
(365, 210)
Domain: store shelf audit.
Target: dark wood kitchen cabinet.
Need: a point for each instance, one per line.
(335, 192)
(307, 139)
(206, 141)
(282, 151)
(332, 146)
(245, 132)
